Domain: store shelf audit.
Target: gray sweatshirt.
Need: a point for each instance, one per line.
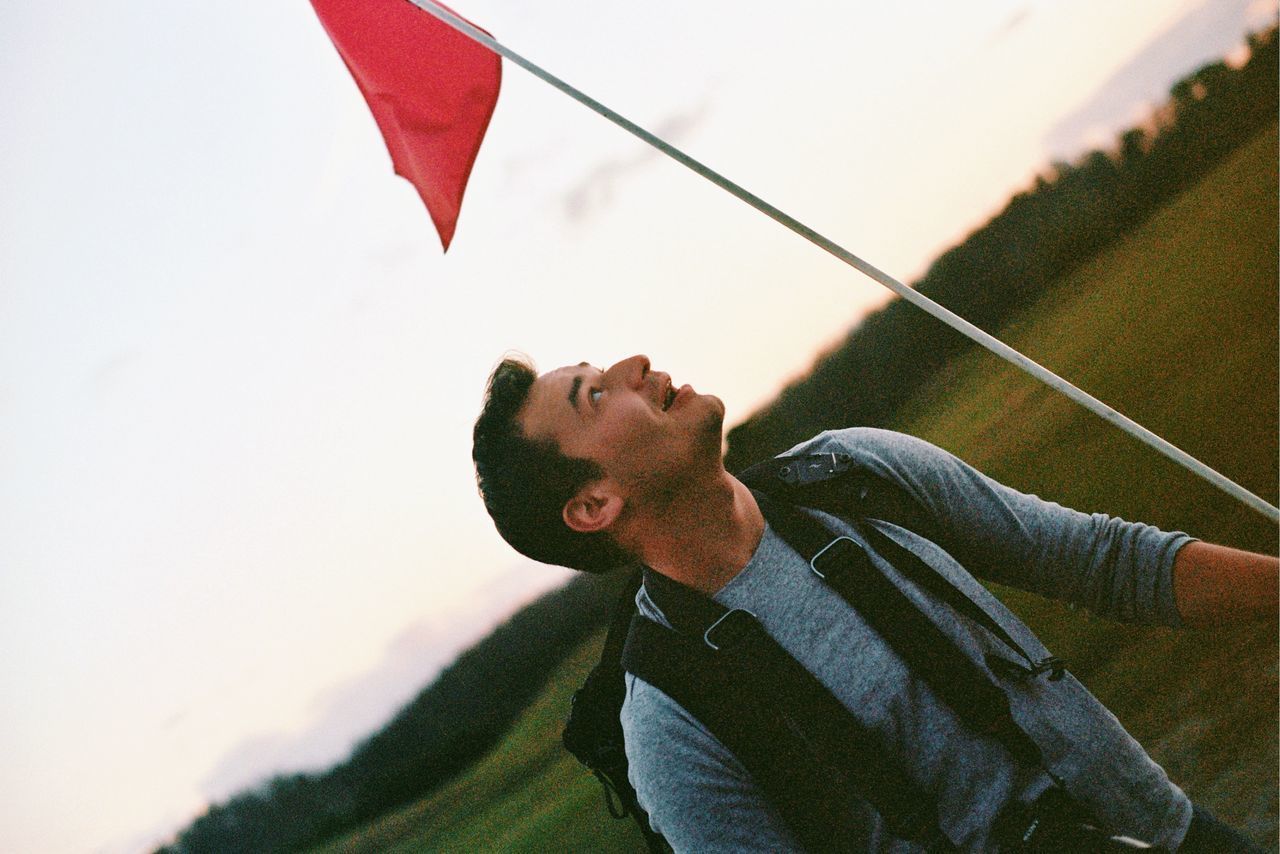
(699, 796)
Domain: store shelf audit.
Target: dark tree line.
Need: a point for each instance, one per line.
(450, 725)
(1067, 217)
(1070, 214)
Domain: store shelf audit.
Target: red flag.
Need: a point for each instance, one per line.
(432, 91)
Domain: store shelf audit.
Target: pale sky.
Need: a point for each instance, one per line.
(238, 526)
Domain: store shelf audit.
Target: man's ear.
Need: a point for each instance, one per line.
(593, 509)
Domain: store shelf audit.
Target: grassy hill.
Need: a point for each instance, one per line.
(1071, 213)
(1174, 325)
(529, 794)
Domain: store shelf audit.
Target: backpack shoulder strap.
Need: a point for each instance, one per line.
(928, 652)
(593, 733)
(834, 483)
(813, 760)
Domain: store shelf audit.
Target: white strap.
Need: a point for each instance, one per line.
(946, 316)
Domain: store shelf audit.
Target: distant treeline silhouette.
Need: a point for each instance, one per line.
(1068, 216)
(450, 725)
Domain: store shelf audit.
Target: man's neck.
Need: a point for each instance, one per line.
(707, 536)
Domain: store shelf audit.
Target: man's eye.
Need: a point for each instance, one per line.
(594, 395)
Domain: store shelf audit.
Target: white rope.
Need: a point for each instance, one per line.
(945, 315)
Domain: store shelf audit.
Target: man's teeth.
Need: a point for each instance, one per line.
(670, 398)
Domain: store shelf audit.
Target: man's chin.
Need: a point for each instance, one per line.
(712, 427)
(716, 406)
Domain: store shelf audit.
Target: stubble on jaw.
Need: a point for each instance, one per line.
(657, 492)
(664, 493)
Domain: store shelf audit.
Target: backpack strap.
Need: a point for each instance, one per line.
(815, 762)
(927, 651)
(593, 733)
(940, 587)
(830, 482)
(712, 666)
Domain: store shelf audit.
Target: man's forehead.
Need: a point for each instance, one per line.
(565, 370)
(566, 374)
(551, 399)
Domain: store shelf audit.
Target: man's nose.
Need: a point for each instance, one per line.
(630, 372)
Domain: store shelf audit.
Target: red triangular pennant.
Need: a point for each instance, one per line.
(432, 91)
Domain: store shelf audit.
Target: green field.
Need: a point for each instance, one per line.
(1176, 326)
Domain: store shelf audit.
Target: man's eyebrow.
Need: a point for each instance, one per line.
(575, 385)
(573, 391)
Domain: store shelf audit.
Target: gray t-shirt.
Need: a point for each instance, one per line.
(699, 796)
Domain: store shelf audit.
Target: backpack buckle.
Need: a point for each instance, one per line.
(800, 471)
(1054, 666)
(835, 553)
(731, 629)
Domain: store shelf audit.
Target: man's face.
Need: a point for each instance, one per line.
(644, 432)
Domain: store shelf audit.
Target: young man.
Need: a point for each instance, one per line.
(593, 469)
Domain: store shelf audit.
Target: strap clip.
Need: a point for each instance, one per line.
(834, 554)
(731, 629)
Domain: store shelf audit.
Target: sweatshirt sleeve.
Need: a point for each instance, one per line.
(1119, 569)
(697, 794)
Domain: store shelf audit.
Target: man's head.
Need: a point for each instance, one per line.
(565, 461)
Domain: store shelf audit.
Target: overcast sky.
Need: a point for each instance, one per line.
(238, 525)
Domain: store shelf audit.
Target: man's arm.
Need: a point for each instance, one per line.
(1214, 584)
(1123, 570)
(696, 792)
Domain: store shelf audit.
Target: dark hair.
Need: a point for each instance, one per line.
(525, 483)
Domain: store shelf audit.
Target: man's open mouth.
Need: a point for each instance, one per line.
(670, 396)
